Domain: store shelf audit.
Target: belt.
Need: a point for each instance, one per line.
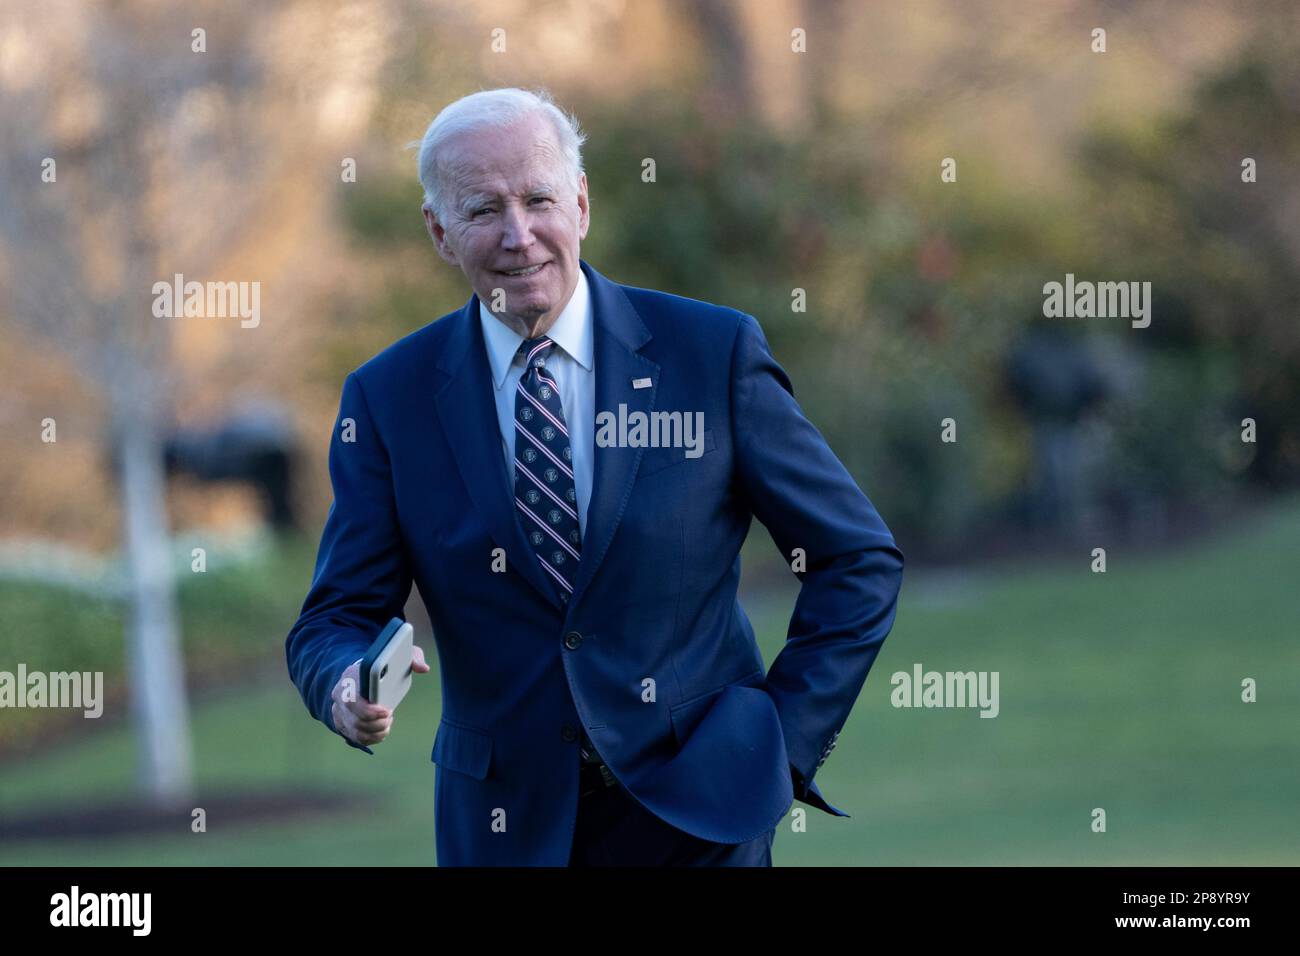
(594, 778)
(594, 774)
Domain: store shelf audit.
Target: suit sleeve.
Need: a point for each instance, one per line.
(799, 490)
(362, 576)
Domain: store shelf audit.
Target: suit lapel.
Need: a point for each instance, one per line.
(467, 409)
(619, 334)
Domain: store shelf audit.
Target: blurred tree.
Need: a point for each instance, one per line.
(729, 97)
(1175, 205)
(152, 167)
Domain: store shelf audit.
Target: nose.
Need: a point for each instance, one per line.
(516, 231)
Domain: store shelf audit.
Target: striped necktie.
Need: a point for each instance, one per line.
(544, 490)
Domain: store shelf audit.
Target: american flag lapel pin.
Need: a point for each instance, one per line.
(640, 383)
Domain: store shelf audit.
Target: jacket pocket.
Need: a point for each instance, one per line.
(657, 459)
(462, 749)
(686, 715)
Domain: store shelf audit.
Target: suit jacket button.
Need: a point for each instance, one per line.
(569, 733)
(572, 640)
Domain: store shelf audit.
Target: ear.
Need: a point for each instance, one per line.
(584, 207)
(439, 236)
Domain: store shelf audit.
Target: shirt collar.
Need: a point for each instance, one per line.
(571, 332)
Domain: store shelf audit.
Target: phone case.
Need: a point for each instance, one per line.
(386, 668)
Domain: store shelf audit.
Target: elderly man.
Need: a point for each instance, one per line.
(604, 700)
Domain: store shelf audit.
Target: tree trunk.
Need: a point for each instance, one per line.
(158, 698)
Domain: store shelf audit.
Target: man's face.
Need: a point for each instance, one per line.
(510, 206)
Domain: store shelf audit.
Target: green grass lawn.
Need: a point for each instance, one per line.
(234, 612)
(1119, 690)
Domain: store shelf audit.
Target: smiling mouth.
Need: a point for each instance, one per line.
(522, 273)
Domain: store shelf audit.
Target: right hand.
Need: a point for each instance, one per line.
(358, 719)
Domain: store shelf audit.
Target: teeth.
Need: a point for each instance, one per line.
(525, 272)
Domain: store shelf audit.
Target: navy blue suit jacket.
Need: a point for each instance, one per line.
(653, 653)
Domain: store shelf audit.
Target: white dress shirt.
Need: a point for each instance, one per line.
(571, 363)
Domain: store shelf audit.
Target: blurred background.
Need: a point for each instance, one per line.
(163, 481)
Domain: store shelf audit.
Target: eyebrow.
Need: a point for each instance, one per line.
(477, 200)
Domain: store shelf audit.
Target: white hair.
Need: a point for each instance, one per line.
(486, 109)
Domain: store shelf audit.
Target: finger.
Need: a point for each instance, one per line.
(363, 708)
(370, 726)
(352, 710)
(371, 720)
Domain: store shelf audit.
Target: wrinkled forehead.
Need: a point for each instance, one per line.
(513, 159)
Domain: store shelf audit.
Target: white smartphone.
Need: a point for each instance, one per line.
(386, 668)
